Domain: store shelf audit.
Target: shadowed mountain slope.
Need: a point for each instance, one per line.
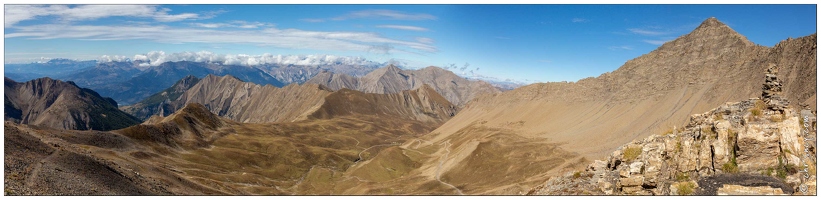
(158, 103)
(63, 105)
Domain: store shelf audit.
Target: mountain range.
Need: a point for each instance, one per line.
(175, 154)
(392, 79)
(642, 129)
(51, 68)
(570, 124)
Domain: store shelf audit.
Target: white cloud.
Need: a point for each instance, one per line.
(385, 14)
(578, 20)
(114, 58)
(283, 38)
(401, 27)
(17, 13)
(235, 24)
(313, 20)
(210, 25)
(424, 40)
(647, 32)
(155, 58)
(620, 48)
(656, 42)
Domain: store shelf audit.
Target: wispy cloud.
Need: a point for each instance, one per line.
(647, 32)
(578, 20)
(615, 48)
(401, 27)
(376, 14)
(18, 13)
(424, 40)
(313, 20)
(234, 24)
(385, 14)
(656, 42)
(283, 38)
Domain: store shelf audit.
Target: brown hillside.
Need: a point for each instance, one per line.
(334, 81)
(63, 105)
(592, 117)
(422, 104)
(248, 102)
(391, 79)
(194, 152)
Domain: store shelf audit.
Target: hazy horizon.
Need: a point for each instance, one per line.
(521, 43)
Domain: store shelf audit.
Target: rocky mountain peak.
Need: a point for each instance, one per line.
(712, 31)
(711, 22)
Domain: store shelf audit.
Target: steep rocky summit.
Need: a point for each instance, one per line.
(62, 105)
(759, 146)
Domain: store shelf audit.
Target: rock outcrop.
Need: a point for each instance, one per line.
(755, 147)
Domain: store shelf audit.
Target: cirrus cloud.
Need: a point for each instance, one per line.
(18, 13)
(401, 27)
(376, 14)
(283, 38)
(385, 14)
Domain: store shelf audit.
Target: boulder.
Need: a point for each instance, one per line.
(632, 189)
(748, 190)
(631, 181)
(722, 147)
(758, 147)
(635, 167)
(605, 187)
(792, 141)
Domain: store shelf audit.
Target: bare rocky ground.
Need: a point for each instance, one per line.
(759, 146)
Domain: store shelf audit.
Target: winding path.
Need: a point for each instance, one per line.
(439, 168)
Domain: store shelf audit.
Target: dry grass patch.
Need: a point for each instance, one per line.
(686, 188)
(631, 153)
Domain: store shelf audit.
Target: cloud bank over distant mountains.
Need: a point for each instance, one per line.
(155, 58)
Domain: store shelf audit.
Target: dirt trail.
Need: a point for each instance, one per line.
(439, 168)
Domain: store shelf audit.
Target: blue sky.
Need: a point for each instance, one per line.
(527, 43)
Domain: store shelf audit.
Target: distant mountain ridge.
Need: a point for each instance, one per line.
(391, 79)
(54, 68)
(62, 105)
(158, 103)
(251, 103)
(157, 78)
